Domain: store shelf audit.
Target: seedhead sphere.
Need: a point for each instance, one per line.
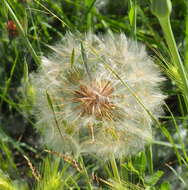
(92, 110)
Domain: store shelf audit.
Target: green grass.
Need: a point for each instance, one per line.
(163, 165)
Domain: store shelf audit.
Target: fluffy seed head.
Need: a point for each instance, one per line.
(93, 110)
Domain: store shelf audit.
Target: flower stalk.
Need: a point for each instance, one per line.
(115, 169)
(162, 9)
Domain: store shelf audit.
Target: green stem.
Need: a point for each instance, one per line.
(186, 37)
(133, 23)
(115, 169)
(150, 158)
(166, 27)
(23, 33)
(89, 185)
(135, 17)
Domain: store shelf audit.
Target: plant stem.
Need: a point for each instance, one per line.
(166, 27)
(115, 169)
(150, 158)
(23, 33)
(186, 37)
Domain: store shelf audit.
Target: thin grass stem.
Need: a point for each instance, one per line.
(23, 33)
(167, 30)
(115, 169)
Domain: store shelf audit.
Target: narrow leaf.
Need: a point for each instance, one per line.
(84, 59)
(153, 179)
(51, 107)
(72, 58)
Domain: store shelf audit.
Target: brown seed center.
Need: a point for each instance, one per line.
(95, 99)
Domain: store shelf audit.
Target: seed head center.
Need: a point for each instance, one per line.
(95, 99)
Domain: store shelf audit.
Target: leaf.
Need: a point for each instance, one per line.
(153, 179)
(131, 16)
(165, 186)
(72, 58)
(84, 59)
(53, 111)
(140, 162)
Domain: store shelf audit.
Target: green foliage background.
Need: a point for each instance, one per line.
(24, 164)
